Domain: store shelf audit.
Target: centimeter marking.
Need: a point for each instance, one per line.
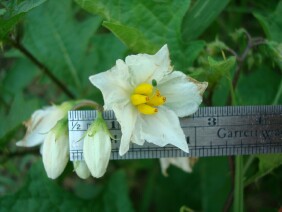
(211, 131)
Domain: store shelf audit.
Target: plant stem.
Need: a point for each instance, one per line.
(88, 103)
(278, 94)
(248, 163)
(42, 67)
(252, 42)
(7, 155)
(238, 204)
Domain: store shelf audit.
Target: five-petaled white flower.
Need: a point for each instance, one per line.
(148, 97)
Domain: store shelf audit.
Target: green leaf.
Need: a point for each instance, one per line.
(217, 69)
(6, 25)
(101, 58)
(200, 16)
(267, 163)
(132, 37)
(178, 189)
(25, 6)
(12, 15)
(258, 87)
(43, 194)
(220, 68)
(59, 41)
(216, 183)
(272, 23)
(18, 76)
(115, 196)
(20, 111)
(145, 26)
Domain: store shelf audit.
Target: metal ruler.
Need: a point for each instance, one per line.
(211, 131)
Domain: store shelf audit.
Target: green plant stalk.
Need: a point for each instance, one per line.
(238, 204)
(248, 164)
(278, 94)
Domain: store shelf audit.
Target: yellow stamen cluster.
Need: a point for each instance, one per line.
(146, 98)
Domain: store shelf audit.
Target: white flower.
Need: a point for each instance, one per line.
(81, 169)
(148, 97)
(97, 147)
(48, 128)
(182, 163)
(55, 150)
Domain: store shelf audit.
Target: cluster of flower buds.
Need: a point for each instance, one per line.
(48, 127)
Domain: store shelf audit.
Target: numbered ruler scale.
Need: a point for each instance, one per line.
(211, 131)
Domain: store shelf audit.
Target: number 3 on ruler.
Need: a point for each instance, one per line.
(212, 121)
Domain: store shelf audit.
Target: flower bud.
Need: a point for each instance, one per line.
(55, 149)
(81, 169)
(97, 147)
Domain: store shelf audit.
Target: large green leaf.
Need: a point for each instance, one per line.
(200, 16)
(272, 23)
(43, 194)
(13, 13)
(145, 26)
(59, 41)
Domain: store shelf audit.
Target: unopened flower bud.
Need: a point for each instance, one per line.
(55, 149)
(81, 169)
(97, 147)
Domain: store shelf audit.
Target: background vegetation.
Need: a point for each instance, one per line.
(48, 50)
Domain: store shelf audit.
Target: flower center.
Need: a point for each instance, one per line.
(146, 98)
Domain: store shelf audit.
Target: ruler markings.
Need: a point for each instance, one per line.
(217, 131)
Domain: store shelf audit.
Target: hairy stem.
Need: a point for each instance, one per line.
(252, 42)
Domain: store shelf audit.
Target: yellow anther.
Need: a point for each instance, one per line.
(137, 99)
(147, 109)
(144, 88)
(156, 100)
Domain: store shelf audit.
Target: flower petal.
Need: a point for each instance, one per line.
(81, 169)
(183, 95)
(97, 152)
(163, 128)
(126, 116)
(136, 135)
(182, 163)
(145, 68)
(41, 122)
(55, 154)
(114, 85)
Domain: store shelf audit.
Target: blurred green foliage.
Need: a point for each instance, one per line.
(207, 40)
